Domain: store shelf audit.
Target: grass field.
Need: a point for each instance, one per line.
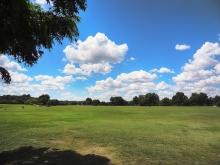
(90, 135)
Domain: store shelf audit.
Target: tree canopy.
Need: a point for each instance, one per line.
(43, 99)
(26, 28)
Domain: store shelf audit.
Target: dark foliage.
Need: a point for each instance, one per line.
(5, 75)
(25, 28)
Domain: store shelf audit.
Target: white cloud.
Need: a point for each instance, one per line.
(81, 78)
(53, 85)
(72, 69)
(217, 68)
(57, 83)
(21, 84)
(207, 85)
(193, 76)
(211, 81)
(182, 47)
(58, 79)
(19, 77)
(42, 77)
(97, 68)
(107, 84)
(95, 54)
(162, 85)
(95, 50)
(87, 69)
(132, 59)
(203, 58)
(163, 94)
(10, 65)
(162, 70)
(137, 76)
(127, 85)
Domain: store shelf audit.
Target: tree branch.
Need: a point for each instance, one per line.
(5, 75)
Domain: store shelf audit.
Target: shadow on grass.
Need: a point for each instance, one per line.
(43, 156)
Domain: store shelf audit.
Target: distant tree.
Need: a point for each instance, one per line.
(26, 28)
(153, 99)
(135, 100)
(218, 104)
(194, 98)
(118, 100)
(54, 102)
(74, 103)
(95, 102)
(148, 100)
(179, 99)
(31, 101)
(203, 99)
(216, 99)
(88, 101)
(13, 99)
(165, 102)
(49, 103)
(210, 101)
(103, 103)
(43, 99)
(143, 101)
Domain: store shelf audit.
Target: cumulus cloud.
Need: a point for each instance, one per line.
(72, 69)
(87, 69)
(10, 65)
(57, 83)
(193, 76)
(97, 68)
(82, 78)
(95, 54)
(163, 94)
(202, 73)
(217, 68)
(108, 84)
(137, 76)
(202, 59)
(162, 70)
(132, 59)
(182, 47)
(128, 85)
(162, 85)
(19, 77)
(58, 79)
(95, 50)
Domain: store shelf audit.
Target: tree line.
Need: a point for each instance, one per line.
(150, 99)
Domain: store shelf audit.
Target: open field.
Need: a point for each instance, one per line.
(90, 135)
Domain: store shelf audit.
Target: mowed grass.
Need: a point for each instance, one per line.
(125, 135)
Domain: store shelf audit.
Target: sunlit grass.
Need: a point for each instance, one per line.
(126, 135)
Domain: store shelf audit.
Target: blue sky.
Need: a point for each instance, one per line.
(128, 48)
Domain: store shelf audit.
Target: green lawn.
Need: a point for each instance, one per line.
(117, 135)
